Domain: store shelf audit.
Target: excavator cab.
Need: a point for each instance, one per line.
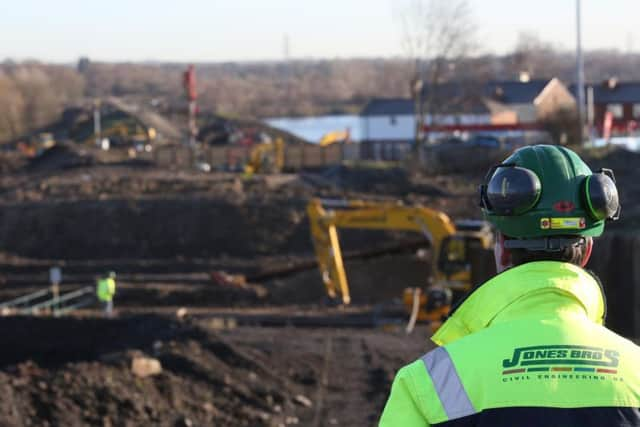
(457, 251)
(266, 157)
(453, 255)
(465, 261)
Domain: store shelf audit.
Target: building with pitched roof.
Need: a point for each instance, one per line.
(507, 108)
(619, 100)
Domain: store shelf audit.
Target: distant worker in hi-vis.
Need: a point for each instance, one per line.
(105, 290)
(529, 346)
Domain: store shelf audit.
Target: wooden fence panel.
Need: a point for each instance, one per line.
(333, 154)
(296, 157)
(217, 158)
(164, 156)
(183, 157)
(352, 151)
(313, 156)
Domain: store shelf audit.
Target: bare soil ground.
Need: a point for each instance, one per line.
(165, 232)
(77, 372)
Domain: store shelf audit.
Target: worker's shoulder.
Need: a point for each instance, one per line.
(414, 372)
(411, 370)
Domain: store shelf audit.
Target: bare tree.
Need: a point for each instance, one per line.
(437, 35)
(11, 107)
(534, 56)
(33, 95)
(39, 99)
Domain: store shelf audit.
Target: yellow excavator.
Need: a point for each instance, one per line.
(453, 246)
(37, 145)
(334, 137)
(266, 157)
(126, 133)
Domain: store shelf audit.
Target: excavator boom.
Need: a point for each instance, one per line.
(326, 216)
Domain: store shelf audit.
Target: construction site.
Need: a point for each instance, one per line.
(170, 256)
(268, 213)
(230, 307)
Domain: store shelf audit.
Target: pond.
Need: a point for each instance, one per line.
(314, 127)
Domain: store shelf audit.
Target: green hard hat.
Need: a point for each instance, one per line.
(546, 190)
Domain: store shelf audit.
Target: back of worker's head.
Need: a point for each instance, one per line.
(546, 205)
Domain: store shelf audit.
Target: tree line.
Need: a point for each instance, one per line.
(34, 94)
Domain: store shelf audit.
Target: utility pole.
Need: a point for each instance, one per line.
(286, 53)
(97, 127)
(417, 86)
(580, 69)
(189, 83)
(590, 111)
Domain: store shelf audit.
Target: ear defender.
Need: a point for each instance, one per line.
(510, 190)
(600, 195)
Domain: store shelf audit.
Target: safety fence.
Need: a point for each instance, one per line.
(45, 302)
(434, 159)
(25, 301)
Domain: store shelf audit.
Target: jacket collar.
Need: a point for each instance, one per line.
(554, 280)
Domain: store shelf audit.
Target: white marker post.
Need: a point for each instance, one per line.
(55, 277)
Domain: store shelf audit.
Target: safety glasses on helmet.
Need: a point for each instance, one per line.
(511, 190)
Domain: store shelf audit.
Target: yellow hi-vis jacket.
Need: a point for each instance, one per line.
(106, 289)
(527, 348)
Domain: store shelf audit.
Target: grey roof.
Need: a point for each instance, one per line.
(625, 92)
(388, 106)
(515, 92)
(461, 97)
(457, 98)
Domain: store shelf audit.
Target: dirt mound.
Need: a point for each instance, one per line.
(77, 372)
(220, 130)
(460, 158)
(11, 161)
(117, 212)
(385, 181)
(371, 281)
(60, 157)
(625, 166)
(162, 228)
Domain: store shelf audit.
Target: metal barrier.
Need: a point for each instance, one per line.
(16, 302)
(29, 304)
(54, 304)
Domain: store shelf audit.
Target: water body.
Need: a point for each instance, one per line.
(314, 127)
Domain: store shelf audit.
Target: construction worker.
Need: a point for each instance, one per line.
(528, 347)
(105, 290)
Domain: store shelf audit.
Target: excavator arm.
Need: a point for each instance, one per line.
(327, 248)
(326, 216)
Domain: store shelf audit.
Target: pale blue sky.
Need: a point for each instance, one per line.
(222, 30)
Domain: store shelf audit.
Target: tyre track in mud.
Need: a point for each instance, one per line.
(354, 381)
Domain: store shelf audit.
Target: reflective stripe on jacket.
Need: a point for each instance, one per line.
(527, 348)
(106, 288)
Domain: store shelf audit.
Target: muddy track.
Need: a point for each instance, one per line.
(354, 380)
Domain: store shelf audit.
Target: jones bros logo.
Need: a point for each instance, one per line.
(562, 355)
